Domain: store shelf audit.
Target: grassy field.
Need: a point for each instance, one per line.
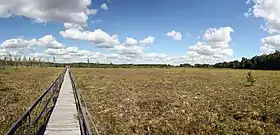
(181, 101)
(18, 90)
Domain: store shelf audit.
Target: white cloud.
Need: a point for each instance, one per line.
(175, 35)
(104, 6)
(22, 47)
(215, 48)
(129, 50)
(98, 37)
(221, 34)
(74, 26)
(147, 41)
(111, 56)
(270, 44)
(130, 41)
(18, 43)
(71, 51)
(41, 56)
(3, 52)
(269, 11)
(154, 56)
(75, 11)
(16, 53)
(49, 41)
(123, 54)
(51, 51)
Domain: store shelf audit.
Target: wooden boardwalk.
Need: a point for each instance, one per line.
(64, 119)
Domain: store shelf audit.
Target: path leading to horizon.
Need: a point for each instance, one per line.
(64, 118)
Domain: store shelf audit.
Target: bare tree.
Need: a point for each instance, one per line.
(24, 60)
(5, 59)
(48, 60)
(88, 62)
(15, 61)
(40, 62)
(11, 59)
(53, 59)
(34, 61)
(30, 62)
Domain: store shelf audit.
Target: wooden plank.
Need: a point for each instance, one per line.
(64, 120)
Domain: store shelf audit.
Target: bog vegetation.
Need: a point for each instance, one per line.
(178, 101)
(19, 87)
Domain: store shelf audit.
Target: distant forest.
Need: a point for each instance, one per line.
(263, 62)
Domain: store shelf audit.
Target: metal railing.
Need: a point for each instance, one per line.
(36, 117)
(81, 108)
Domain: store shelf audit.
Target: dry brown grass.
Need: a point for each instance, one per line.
(18, 90)
(174, 101)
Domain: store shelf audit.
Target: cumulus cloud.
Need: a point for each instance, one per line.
(104, 6)
(47, 41)
(39, 55)
(98, 37)
(130, 41)
(216, 46)
(70, 51)
(18, 43)
(73, 26)
(51, 51)
(218, 38)
(23, 47)
(154, 57)
(269, 11)
(75, 11)
(147, 41)
(3, 52)
(175, 35)
(270, 44)
(129, 50)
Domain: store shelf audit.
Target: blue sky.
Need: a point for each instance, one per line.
(139, 19)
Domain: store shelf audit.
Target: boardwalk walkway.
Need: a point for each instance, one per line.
(64, 120)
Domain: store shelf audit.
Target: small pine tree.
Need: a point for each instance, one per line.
(250, 78)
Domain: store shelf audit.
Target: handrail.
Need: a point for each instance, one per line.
(32, 125)
(84, 125)
(87, 112)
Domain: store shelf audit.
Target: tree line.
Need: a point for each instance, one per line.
(262, 62)
(6, 62)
